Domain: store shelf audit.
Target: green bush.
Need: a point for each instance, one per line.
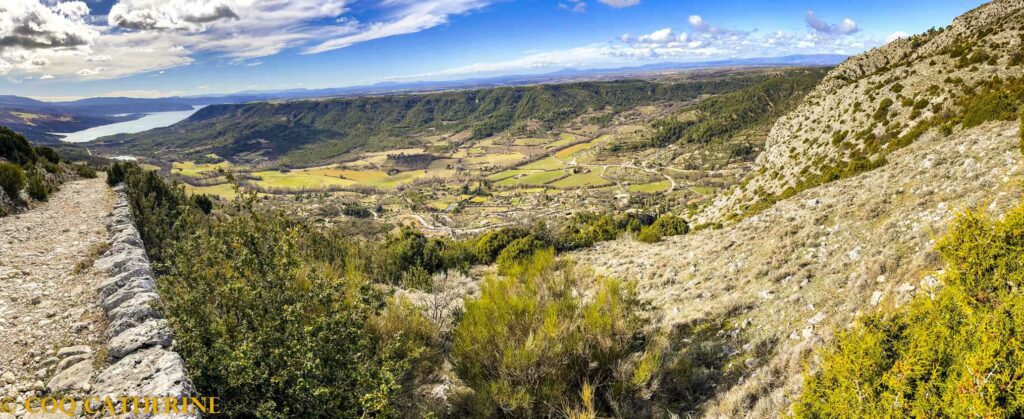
(273, 333)
(116, 173)
(48, 153)
(15, 148)
(529, 344)
(84, 171)
(12, 179)
(516, 252)
(951, 353)
(37, 187)
(203, 202)
(665, 225)
(51, 167)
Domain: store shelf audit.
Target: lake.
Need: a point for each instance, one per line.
(148, 122)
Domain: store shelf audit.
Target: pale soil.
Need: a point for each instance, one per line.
(44, 304)
(810, 265)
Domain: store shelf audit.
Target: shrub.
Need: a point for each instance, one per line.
(48, 153)
(37, 187)
(515, 253)
(883, 110)
(665, 225)
(15, 148)
(529, 344)
(50, 167)
(115, 173)
(273, 333)
(203, 202)
(84, 171)
(12, 179)
(951, 353)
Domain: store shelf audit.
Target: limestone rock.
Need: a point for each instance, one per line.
(73, 350)
(74, 378)
(154, 332)
(130, 314)
(153, 372)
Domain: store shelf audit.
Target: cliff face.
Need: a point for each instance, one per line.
(868, 104)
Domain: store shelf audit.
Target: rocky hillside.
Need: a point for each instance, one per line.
(878, 102)
(840, 217)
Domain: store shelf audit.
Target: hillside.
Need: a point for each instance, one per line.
(308, 132)
(840, 215)
(877, 102)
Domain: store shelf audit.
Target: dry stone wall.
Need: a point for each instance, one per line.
(140, 347)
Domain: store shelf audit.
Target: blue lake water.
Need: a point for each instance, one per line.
(148, 122)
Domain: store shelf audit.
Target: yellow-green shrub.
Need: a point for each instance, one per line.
(530, 343)
(37, 187)
(12, 179)
(956, 352)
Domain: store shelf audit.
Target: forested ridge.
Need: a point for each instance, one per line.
(315, 130)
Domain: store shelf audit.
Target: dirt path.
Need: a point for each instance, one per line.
(47, 295)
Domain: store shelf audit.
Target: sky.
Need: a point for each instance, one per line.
(56, 49)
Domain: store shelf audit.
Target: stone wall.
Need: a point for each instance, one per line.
(141, 360)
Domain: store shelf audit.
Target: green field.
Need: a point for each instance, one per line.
(531, 141)
(299, 180)
(225, 190)
(534, 179)
(704, 190)
(193, 170)
(547, 163)
(581, 180)
(569, 152)
(654, 187)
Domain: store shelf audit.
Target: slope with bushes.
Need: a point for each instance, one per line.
(281, 319)
(835, 228)
(954, 351)
(36, 171)
(873, 104)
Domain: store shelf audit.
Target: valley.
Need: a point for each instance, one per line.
(591, 159)
(745, 238)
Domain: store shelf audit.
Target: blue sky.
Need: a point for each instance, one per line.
(149, 48)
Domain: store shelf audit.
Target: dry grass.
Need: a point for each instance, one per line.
(94, 253)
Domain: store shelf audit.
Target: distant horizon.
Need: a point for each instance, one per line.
(400, 81)
(140, 48)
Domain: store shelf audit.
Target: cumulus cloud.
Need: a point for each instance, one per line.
(846, 27)
(168, 14)
(30, 24)
(700, 41)
(61, 38)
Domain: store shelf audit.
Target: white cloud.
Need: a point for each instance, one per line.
(575, 6)
(703, 42)
(896, 35)
(620, 3)
(414, 16)
(61, 39)
(46, 77)
(29, 24)
(846, 27)
(190, 15)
